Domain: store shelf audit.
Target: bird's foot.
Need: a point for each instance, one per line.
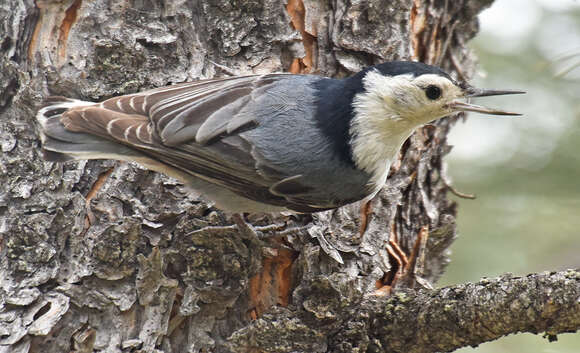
(246, 229)
(227, 70)
(404, 269)
(275, 230)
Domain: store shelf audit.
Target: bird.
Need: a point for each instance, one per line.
(265, 142)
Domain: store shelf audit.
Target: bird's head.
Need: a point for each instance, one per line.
(411, 94)
(392, 99)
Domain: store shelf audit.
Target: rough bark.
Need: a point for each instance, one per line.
(107, 256)
(425, 321)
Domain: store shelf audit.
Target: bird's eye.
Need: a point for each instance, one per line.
(433, 92)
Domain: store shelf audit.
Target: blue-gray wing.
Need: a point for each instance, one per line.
(203, 129)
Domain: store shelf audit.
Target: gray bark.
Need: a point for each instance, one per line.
(106, 256)
(425, 321)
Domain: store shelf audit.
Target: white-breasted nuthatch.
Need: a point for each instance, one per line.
(265, 143)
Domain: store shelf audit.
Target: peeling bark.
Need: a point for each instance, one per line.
(106, 256)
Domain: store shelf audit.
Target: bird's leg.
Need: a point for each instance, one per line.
(366, 211)
(214, 230)
(402, 262)
(414, 269)
(98, 184)
(225, 69)
(386, 284)
(276, 227)
(257, 232)
(244, 227)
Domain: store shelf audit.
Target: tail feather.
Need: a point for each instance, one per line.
(60, 144)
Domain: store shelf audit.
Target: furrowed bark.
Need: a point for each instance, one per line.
(106, 256)
(424, 321)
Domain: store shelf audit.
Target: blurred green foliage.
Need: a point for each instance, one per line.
(524, 171)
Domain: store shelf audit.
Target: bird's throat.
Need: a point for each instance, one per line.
(375, 145)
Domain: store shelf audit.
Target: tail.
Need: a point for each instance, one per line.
(60, 144)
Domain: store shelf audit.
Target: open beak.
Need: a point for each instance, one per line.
(472, 92)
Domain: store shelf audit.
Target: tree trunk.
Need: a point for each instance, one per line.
(106, 256)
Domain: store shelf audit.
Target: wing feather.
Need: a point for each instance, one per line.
(204, 120)
(194, 128)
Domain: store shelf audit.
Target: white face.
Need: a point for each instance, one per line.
(416, 100)
(389, 110)
(391, 107)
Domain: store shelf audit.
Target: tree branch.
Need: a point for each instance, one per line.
(423, 321)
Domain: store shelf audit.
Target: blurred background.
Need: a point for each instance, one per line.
(525, 171)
